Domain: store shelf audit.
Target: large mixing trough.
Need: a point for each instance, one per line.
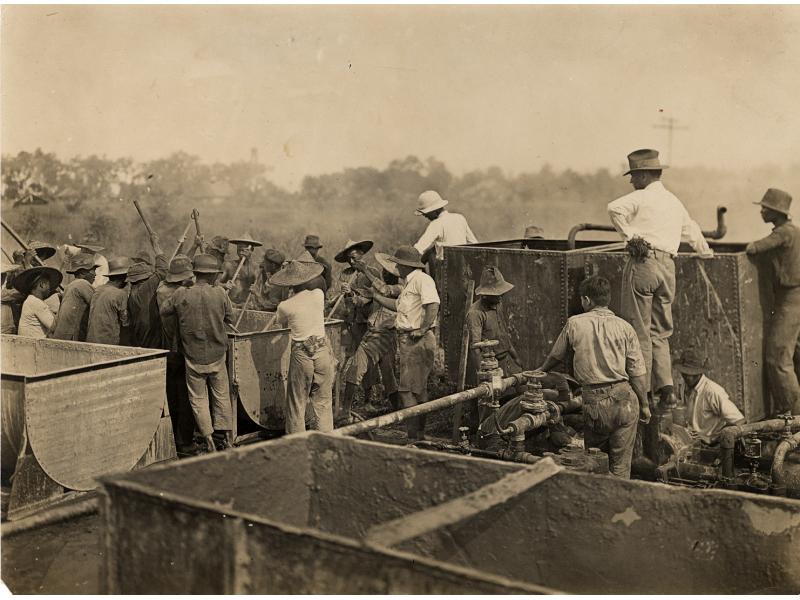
(316, 513)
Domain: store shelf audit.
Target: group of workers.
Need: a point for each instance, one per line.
(621, 363)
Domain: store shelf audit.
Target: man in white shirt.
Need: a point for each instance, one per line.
(708, 408)
(445, 228)
(37, 283)
(416, 307)
(311, 364)
(654, 223)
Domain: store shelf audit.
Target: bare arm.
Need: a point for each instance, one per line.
(639, 385)
(389, 303)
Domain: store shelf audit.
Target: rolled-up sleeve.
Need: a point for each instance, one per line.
(427, 291)
(559, 350)
(620, 212)
(693, 235)
(429, 238)
(634, 361)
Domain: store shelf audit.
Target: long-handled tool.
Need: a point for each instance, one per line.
(269, 323)
(351, 281)
(144, 219)
(18, 239)
(247, 301)
(182, 239)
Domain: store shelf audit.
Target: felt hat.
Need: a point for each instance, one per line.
(312, 241)
(644, 160)
(296, 273)
(118, 265)
(407, 256)
(180, 269)
(42, 250)
(429, 201)
(220, 244)
(91, 243)
(363, 245)
(205, 263)
(246, 240)
(80, 261)
(274, 256)
(24, 281)
(492, 283)
(534, 231)
(384, 260)
(138, 272)
(776, 200)
(692, 362)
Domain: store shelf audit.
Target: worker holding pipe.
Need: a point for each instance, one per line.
(653, 222)
(610, 368)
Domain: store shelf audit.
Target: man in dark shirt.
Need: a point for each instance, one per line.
(312, 245)
(238, 284)
(72, 319)
(783, 247)
(142, 304)
(269, 295)
(108, 312)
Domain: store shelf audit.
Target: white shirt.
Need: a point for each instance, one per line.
(304, 314)
(418, 291)
(656, 215)
(448, 229)
(36, 320)
(709, 410)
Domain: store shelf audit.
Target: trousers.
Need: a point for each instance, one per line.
(648, 290)
(216, 415)
(611, 414)
(782, 343)
(180, 409)
(361, 365)
(310, 387)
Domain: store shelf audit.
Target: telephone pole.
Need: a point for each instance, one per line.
(671, 125)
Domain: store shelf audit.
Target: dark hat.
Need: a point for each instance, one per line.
(138, 272)
(80, 261)
(295, 273)
(246, 240)
(205, 263)
(692, 362)
(492, 283)
(384, 260)
(312, 241)
(91, 243)
(42, 250)
(24, 281)
(143, 256)
(274, 256)
(220, 244)
(180, 269)
(407, 256)
(644, 160)
(363, 246)
(118, 266)
(776, 200)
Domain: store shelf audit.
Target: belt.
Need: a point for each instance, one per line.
(657, 252)
(597, 386)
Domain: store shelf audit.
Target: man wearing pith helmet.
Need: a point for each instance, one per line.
(782, 246)
(445, 228)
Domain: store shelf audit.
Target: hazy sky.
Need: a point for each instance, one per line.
(316, 89)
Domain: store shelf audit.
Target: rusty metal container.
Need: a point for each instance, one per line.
(721, 305)
(73, 411)
(317, 513)
(258, 365)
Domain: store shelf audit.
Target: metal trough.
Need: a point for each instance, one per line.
(72, 411)
(258, 365)
(722, 305)
(314, 513)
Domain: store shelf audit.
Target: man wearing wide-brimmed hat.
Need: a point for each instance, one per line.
(240, 287)
(36, 284)
(144, 280)
(268, 295)
(312, 245)
(355, 309)
(202, 311)
(708, 408)
(179, 275)
(782, 246)
(417, 307)
(108, 311)
(90, 244)
(311, 364)
(72, 320)
(654, 223)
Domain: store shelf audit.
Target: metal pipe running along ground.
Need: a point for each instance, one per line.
(483, 390)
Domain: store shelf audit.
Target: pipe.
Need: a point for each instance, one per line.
(482, 391)
(721, 229)
(507, 455)
(524, 423)
(729, 435)
(786, 446)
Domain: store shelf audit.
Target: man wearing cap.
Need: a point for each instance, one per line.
(416, 307)
(239, 287)
(142, 304)
(72, 320)
(179, 275)
(269, 295)
(654, 223)
(202, 311)
(108, 311)
(10, 299)
(355, 309)
(782, 247)
(311, 365)
(312, 245)
(36, 284)
(708, 408)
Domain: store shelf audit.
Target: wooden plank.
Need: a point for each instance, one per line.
(419, 523)
(462, 362)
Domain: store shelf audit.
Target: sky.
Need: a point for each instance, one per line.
(319, 88)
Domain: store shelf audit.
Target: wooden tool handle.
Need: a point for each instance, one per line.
(144, 219)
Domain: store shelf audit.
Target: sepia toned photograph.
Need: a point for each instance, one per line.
(400, 299)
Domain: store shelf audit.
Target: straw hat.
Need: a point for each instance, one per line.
(692, 362)
(24, 281)
(776, 200)
(492, 283)
(305, 257)
(312, 241)
(384, 260)
(42, 250)
(80, 261)
(205, 263)
(118, 266)
(644, 160)
(429, 201)
(364, 246)
(296, 273)
(407, 256)
(180, 269)
(246, 240)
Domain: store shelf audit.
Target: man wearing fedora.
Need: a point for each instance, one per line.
(240, 288)
(417, 307)
(654, 223)
(108, 311)
(72, 320)
(202, 312)
(142, 304)
(312, 245)
(782, 246)
(708, 408)
(311, 364)
(37, 284)
(268, 295)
